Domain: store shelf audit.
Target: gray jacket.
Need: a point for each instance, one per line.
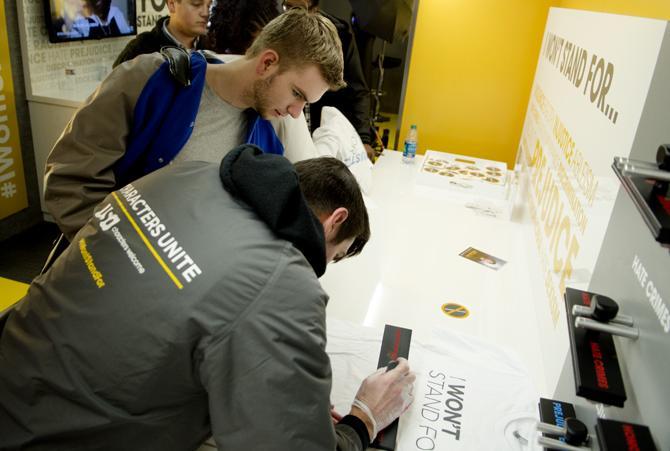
(176, 312)
(79, 168)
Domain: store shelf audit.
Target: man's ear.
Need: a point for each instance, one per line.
(268, 61)
(332, 222)
(170, 5)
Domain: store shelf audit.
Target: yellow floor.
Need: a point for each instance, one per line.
(10, 292)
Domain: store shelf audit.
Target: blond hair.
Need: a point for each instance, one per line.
(303, 38)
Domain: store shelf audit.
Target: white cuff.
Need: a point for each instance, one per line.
(361, 405)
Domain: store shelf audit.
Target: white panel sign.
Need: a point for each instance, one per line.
(591, 82)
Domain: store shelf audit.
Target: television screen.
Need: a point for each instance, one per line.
(75, 20)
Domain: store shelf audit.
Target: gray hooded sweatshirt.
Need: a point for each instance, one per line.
(182, 309)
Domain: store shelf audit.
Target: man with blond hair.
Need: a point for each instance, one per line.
(175, 106)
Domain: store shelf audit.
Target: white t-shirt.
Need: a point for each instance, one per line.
(468, 394)
(336, 137)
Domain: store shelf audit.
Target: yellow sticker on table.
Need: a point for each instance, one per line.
(454, 310)
(13, 196)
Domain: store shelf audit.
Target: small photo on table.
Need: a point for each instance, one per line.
(483, 258)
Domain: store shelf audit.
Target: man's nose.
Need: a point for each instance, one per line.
(295, 108)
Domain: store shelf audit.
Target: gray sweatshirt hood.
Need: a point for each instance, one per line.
(269, 185)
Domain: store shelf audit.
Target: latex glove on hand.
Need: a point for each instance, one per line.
(384, 396)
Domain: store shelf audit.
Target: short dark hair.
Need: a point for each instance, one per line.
(327, 184)
(234, 24)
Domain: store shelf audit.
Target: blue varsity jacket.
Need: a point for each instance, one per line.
(164, 117)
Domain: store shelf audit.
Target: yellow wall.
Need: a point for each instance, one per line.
(657, 9)
(472, 67)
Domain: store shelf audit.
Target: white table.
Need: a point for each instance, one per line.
(411, 266)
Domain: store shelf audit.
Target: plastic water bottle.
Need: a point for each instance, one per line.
(409, 151)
